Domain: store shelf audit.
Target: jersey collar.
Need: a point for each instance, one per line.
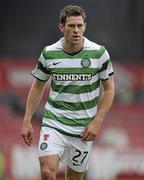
(86, 44)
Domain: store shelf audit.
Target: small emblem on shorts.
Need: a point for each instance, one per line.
(43, 146)
(85, 62)
(45, 137)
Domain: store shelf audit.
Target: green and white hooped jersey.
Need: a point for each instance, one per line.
(75, 85)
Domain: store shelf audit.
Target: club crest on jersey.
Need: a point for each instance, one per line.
(85, 62)
(43, 146)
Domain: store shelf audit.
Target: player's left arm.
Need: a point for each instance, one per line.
(106, 99)
(105, 102)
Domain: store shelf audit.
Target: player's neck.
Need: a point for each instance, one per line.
(72, 48)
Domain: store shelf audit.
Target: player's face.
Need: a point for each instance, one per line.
(73, 29)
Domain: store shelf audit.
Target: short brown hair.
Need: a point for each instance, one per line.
(71, 10)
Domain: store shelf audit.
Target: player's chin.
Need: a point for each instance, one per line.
(76, 42)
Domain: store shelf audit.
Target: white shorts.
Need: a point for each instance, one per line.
(71, 150)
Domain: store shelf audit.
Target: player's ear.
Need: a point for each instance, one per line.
(61, 27)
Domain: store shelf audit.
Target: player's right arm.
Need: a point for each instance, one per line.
(33, 100)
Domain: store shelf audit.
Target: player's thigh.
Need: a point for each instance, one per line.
(49, 163)
(73, 175)
(50, 149)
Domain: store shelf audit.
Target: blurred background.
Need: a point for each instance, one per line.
(25, 28)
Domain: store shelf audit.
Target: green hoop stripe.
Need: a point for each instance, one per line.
(104, 65)
(41, 67)
(67, 121)
(75, 89)
(73, 106)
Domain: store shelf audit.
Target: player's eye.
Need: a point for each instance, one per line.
(79, 25)
(71, 25)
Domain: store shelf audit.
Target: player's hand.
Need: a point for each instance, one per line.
(91, 131)
(27, 133)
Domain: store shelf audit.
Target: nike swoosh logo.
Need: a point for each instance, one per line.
(55, 63)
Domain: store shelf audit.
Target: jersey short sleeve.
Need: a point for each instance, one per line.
(41, 72)
(106, 68)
